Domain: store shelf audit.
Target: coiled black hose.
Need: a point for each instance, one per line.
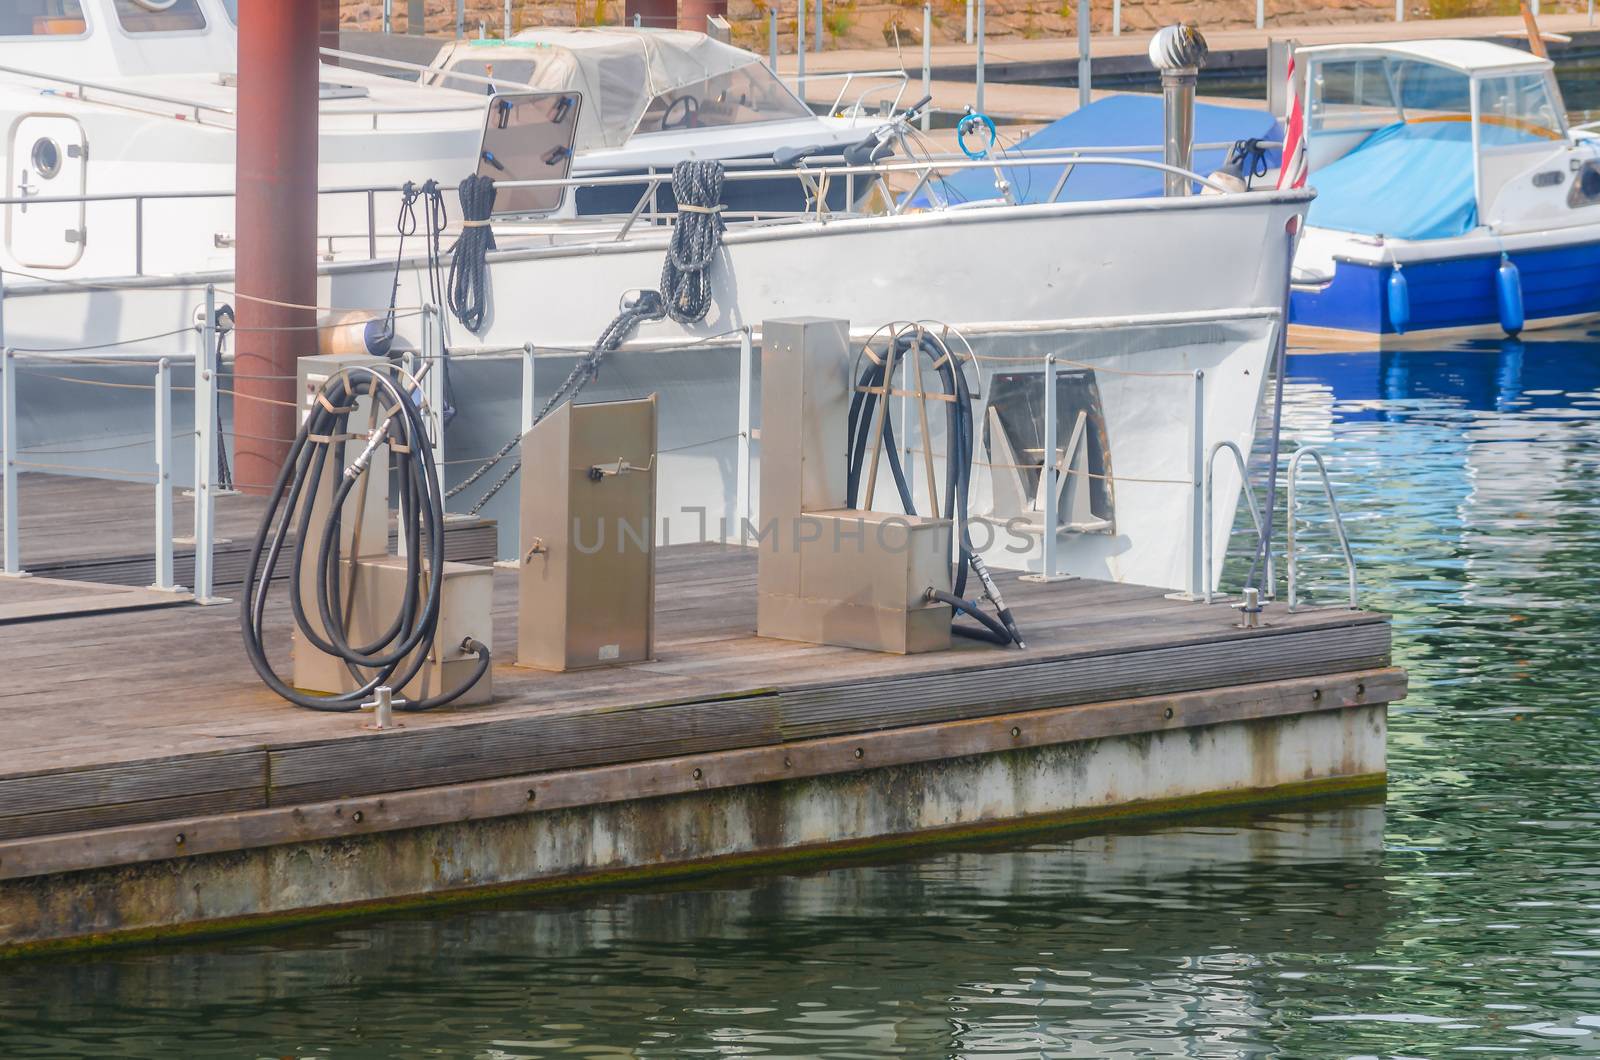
(915, 341)
(469, 269)
(398, 654)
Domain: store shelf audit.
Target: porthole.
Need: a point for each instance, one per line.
(46, 157)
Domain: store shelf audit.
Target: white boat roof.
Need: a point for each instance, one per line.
(618, 69)
(1467, 56)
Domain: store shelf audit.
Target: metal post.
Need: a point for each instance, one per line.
(969, 20)
(433, 383)
(388, 16)
(1051, 515)
(1116, 18)
(800, 50)
(927, 63)
(529, 410)
(205, 456)
(164, 476)
(461, 19)
(8, 460)
(1085, 41)
(978, 92)
(506, 34)
(772, 37)
(746, 385)
(1399, 10)
(1197, 474)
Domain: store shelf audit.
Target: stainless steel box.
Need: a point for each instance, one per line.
(586, 585)
(828, 574)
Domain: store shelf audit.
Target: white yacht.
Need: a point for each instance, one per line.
(1161, 315)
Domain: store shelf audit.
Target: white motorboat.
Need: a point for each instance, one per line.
(1453, 199)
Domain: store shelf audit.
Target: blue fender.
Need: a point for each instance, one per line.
(1508, 290)
(1399, 301)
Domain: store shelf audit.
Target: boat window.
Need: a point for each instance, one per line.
(1426, 89)
(42, 18)
(232, 8)
(516, 72)
(749, 94)
(1519, 109)
(1353, 94)
(160, 16)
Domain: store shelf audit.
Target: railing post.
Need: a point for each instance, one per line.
(8, 461)
(1261, 12)
(205, 455)
(138, 235)
(1399, 10)
(433, 382)
(970, 4)
(800, 51)
(977, 103)
(529, 410)
(817, 39)
(506, 33)
(746, 385)
(927, 63)
(1085, 42)
(1116, 18)
(461, 19)
(772, 37)
(1050, 477)
(163, 476)
(1197, 576)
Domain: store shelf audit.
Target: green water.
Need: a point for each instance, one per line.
(1461, 916)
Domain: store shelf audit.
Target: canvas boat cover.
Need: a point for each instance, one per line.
(1127, 120)
(619, 71)
(1409, 180)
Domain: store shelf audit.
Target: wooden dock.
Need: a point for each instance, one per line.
(150, 786)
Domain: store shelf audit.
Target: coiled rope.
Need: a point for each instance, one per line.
(685, 296)
(469, 270)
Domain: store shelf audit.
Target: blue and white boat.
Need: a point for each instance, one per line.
(1452, 198)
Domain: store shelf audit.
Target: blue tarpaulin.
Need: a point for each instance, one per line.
(1408, 181)
(1116, 121)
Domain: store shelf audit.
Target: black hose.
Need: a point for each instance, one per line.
(469, 269)
(960, 434)
(397, 655)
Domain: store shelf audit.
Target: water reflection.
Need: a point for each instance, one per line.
(1464, 916)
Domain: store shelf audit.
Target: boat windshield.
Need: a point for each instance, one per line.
(159, 16)
(41, 18)
(1521, 108)
(749, 94)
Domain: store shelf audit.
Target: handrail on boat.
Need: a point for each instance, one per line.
(80, 84)
(1255, 515)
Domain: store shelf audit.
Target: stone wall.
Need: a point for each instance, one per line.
(869, 23)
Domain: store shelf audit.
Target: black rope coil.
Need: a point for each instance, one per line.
(469, 269)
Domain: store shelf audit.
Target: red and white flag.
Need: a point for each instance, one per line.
(1292, 174)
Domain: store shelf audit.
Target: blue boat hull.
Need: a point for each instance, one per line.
(1451, 294)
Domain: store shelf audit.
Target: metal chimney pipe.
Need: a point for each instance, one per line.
(1178, 52)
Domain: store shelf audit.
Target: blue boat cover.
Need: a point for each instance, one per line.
(1407, 180)
(1116, 121)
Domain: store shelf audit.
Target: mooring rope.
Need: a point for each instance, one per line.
(685, 296)
(469, 269)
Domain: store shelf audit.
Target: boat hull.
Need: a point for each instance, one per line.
(1451, 295)
(1168, 287)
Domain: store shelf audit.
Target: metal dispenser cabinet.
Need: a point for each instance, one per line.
(586, 591)
(828, 574)
(372, 580)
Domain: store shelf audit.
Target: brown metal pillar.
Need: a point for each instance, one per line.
(692, 13)
(275, 220)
